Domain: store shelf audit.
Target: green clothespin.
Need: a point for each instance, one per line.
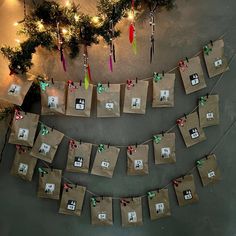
(44, 130)
(156, 77)
(43, 85)
(207, 49)
(202, 101)
(199, 163)
(42, 171)
(151, 195)
(101, 88)
(93, 201)
(157, 138)
(101, 148)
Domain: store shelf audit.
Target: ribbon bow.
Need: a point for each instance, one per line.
(199, 162)
(43, 85)
(20, 149)
(44, 130)
(202, 101)
(124, 202)
(207, 49)
(100, 88)
(151, 195)
(157, 138)
(182, 65)
(181, 122)
(156, 77)
(67, 187)
(18, 116)
(93, 201)
(72, 144)
(101, 148)
(129, 84)
(176, 182)
(71, 85)
(42, 171)
(130, 149)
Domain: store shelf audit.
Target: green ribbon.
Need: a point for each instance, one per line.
(43, 85)
(202, 101)
(157, 138)
(207, 49)
(156, 77)
(42, 171)
(101, 88)
(101, 148)
(151, 195)
(44, 130)
(93, 201)
(199, 162)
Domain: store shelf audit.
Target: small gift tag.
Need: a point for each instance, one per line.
(209, 114)
(209, 170)
(24, 164)
(23, 130)
(159, 205)
(137, 160)
(50, 184)
(46, 144)
(164, 150)
(131, 212)
(191, 132)
(192, 76)
(185, 190)
(79, 157)
(136, 98)
(72, 200)
(215, 59)
(101, 211)
(79, 100)
(105, 162)
(108, 101)
(163, 91)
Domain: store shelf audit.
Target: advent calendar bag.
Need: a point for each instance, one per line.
(185, 190)
(101, 211)
(50, 183)
(135, 97)
(24, 164)
(208, 170)
(192, 74)
(13, 89)
(163, 90)
(23, 128)
(159, 204)
(108, 100)
(191, 131)
(53, 97)
(131, 211)
(137, 158)
(72, 200)
(105, 161)
(78, 157)
(209, 110)
(79, 100)
(215, 59)
(164, 148)
(46, 144)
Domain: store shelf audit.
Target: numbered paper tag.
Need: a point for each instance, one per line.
(218, 63)
(71, 205)
(78, 162)
(105, 164)
(79, 103)
(109, 105)
(194, 133)
(138, 164)
(165, 152)
(102, 216)
(187, 194)
(210, 115)
(211, 174)
(194, 79)
(14, 90)
(132, 217)
(44, 149)
(23, 134)
(23, 168)
(160, 208)
(164, 95)
(135, 103)
(49, 188)
(52, 102)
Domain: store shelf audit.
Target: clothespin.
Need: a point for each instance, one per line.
(101, 148)
(129, 84)
(156, 77)
(130, 149)
(199, 163)
(72, 144)
(44, 130)
(124, 202)
(157, 139)
(151, 195)
(18, 115)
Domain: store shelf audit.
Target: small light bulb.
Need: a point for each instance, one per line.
(95, 19)
(16, 23)
(76, 18)
(68, 4)
(64, 31)
(17, 40)
(130, 15)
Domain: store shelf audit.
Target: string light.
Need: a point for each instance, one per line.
(76, 18)
(95, 19)
(64, 31)
(40, 25)
(17, 40)
(130, 15)
(68, 3)
(15, 23)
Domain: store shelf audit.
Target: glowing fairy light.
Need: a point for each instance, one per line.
(130, 15)
(76, 18)
(15, 23)
(17, 40)
(95, 20)
(64, 31)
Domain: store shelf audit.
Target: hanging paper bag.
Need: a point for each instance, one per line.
(101, 211)
(215, 59)
(105, 161)
(192, 74)
(131, 211)
(23, 128)
(191, 132)
(158, 203)
(136, 97)
(13, 89)
(53, 98)
(163, 90)
(24, 164)
(164, 148)
(185, 190)
(50, 184)
(46, 144)
(108, 100)
(137, 157)
(79, 100)
(208, 170)
(209, 110)
(72, 200)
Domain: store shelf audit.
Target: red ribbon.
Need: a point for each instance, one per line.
(124, 202)
(182, 65)
(176, 182)
(67, 187)
(181, 122)
(129, 84)
(130, 149)
(131, 33)
(18, 116)
(72, 144)
(20, 149)
(71, 85)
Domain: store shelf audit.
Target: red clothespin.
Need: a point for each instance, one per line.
(180, 122)
(18, 115)
(182, 65)
(20, 149)
(176, 182)
(124, 202)
(129, 84)
(71, 85)
(130, 149)
(72, 144)
(67, 187)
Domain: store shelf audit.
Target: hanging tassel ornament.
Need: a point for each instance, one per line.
(151, 195)
(72, 144)
(87, 72)
(157, 139)
(132, 31)
(152, 39)
(20, 149)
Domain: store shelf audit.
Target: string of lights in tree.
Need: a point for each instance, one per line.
(49, 22)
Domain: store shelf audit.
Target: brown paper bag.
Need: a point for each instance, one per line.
(23, 128)
(191, 132)
(101, 211)
(137, 158)
(78, 157)
(105, 161)
(50, 184)
(53, 98)
(185, 190)
(215, 59)
(13, 89)
(164, 148)
(108, 100)
(46, 144)
(209, 170)
(136, 97)
(192, 75)
(72, 200)
(79, 100)
(24, 164)
(163, 90)
(209, 110)
(131, 211)
(159, 205)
